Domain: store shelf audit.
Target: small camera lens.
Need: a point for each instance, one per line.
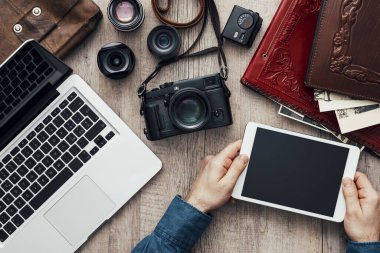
(126, 15)
(164, 42)
(116, 60)
(189, 109)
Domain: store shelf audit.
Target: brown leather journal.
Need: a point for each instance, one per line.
(278, 68)
(346, 55)
(58, 25)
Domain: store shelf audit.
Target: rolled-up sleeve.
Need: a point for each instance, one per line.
(364, 247)
(178, 230)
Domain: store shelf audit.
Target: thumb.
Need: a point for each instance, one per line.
(350, 193)
(236, 168)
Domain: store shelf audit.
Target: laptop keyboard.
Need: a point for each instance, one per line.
(20, 76)
(50, 154)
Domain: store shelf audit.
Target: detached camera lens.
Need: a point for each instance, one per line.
(189, 109)
(116, 60)
(126, 15)
(164, 42)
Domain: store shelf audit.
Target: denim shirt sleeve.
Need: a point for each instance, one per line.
(178, 230)
(364, 247)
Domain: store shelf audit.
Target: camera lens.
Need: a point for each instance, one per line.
(164, 42)
(189, 109)
(116, 60)
(126, 15)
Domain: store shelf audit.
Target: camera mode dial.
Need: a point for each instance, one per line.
(245, 21)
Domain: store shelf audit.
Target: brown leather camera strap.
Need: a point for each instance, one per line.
(160, 12)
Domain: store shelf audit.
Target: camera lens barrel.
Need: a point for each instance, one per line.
(116, 60)
(164, 42)
(189, 109)
(126, 15)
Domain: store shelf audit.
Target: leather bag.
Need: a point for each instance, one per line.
(58, 25)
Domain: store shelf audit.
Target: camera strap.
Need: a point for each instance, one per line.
(210, 7)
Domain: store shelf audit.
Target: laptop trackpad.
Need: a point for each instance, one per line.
(80, 211)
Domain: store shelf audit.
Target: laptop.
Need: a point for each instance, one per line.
(67, 161)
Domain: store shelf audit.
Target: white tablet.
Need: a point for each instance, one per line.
(295, 172)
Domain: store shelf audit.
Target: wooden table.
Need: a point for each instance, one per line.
(242, 227)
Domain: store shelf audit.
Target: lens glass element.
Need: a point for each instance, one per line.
(116, 61)
(163, 40)
(190, 110)
(125, 11)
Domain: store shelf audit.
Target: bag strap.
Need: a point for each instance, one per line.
(161, 11)
(209, 6)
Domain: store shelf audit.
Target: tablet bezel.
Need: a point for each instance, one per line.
(349, 171)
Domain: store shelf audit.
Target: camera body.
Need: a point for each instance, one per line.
(242, 26)
(186, 106)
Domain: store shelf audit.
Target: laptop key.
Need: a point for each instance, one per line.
(11, 210)
(3, 235)
(75, 165)
(39, 127)
(6, 185)
(31, 176)
(22, 170)
(35, 188)
(63, 104)
(110, 135)
(47, 161)
(72, 96)
(9, 228)
(19, 159)
(11, 166)
(27, 195)
(84, 156)
(77, 117)
(46, 148)
(4, 174)
(82, 142)
(74, 150)
(26, 212)
(86, 111)
(87, 123)
(76, 104)
(55, 112)
(94, 151)
(43, 180)
(24, 183)
(69, 125)
(54, 140)
(4, 218)
(95, 130)
(42, 137)
(34, 144)
(2, 206)
(50, 129)
(51, 173)
(8, 198)
(31, 135)
(100, 141)
(19, 203)
(62, 133)
(50, 188)
(58, 165)
(66, 157)
(79, 131)
(71, 138)
(47, 120)
(6, 159)
(55, 153)
(30, 163)
(15, 151)
(16, 191)
(23, 143)
(58, 121)
(17, 220)
(38, 155)
(66, 114)
(63, 146)
(14, 178)
(39, 169)
(27, 151)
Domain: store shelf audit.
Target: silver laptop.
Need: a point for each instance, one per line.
(67, 161)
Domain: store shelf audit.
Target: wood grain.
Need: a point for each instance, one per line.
(242, 227)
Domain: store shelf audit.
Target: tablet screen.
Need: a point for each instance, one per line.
(295, 172)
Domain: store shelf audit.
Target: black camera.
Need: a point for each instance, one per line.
(186, 106)
(242, 26)
(116, 60)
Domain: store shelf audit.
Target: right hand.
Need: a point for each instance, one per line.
(362, 221)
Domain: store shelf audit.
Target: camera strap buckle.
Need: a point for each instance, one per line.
(224, 72)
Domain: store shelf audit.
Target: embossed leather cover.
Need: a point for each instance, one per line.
(346, 55)
(279, 66)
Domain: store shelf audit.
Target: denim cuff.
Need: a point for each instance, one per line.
(362, 247)
(182, 224)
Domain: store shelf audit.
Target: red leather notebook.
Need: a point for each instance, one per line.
(279, 65)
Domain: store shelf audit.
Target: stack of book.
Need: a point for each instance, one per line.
(322, 65)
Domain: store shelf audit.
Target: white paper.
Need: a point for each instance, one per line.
(357, 118)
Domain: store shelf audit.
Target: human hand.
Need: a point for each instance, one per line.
(362, 221)
(217, 178)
